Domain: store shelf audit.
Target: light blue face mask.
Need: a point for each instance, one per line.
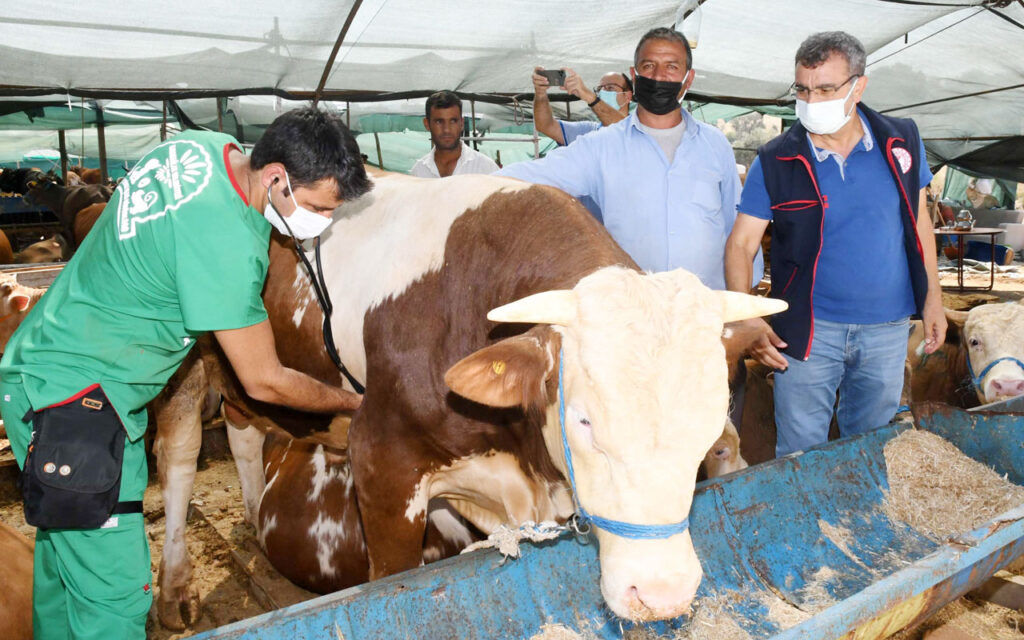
(610, 98)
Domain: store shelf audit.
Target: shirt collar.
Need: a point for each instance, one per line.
(433, 163)
(868, 141)
(691, 127)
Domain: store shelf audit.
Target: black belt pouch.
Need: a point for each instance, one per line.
(72, 474)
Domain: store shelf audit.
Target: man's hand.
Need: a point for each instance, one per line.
(574, 86)
(540, 83)
(934, 317)
(765, 347)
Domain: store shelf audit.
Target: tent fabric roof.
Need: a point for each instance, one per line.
(952, 65)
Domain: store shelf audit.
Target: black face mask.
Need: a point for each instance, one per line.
(657, 96)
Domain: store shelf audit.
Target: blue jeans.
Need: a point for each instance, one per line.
(863, 362)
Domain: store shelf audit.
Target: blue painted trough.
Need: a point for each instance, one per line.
(803, 539)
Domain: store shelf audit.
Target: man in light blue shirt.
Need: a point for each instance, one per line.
(666, 183)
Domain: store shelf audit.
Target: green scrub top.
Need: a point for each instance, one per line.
(177, 252)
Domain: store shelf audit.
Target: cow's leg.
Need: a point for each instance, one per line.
(246, 442)
(392, 497)
(178, 437)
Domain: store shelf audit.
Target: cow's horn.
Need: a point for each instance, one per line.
(740, 306)
(549, 307)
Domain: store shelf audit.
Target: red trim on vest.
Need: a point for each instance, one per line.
(792, 205)
(910, 209)
(78, 395)
(821, 240)
(231, 174)
(790, 281)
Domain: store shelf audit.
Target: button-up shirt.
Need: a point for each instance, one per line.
(664, 215)
(470, 161)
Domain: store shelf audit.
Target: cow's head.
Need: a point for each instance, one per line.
(993, 333)
(646, 396)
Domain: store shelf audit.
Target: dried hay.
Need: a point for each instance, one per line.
(708, 621)
(814, 594)
(782, 613)
(938, 490)
(975, 618)
(558, 632)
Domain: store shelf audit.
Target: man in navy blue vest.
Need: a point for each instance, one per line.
(852, 250)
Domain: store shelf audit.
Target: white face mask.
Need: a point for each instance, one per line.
(827, 116)
(302, 224)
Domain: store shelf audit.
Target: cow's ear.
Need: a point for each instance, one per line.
(510, 373)
(954, 325)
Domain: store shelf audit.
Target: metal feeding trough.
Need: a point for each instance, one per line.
(764, 536)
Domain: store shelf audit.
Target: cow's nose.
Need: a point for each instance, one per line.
(1008, 387)
(659, 600)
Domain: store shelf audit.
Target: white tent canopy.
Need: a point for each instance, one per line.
(952, 65)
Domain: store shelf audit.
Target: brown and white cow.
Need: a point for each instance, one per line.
(15, 585)
(414, 268)
(309, 522)
(974, 340)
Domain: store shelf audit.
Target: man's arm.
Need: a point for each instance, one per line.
(933, 315)
(543, 120)
(253, 356)
(575, 86)
(743, 244)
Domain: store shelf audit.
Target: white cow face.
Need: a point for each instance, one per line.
(994, 331)
(646, 395)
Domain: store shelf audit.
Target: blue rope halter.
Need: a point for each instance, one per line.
(976, 379)
(615, 527)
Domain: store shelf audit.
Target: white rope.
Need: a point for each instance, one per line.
(506, 539)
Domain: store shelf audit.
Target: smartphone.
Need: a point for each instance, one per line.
(556, 77)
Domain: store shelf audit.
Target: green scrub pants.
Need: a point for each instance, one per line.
(88, 583)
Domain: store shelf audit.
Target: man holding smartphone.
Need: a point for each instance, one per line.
(609, 100)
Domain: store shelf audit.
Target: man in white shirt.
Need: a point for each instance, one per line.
(449, 155)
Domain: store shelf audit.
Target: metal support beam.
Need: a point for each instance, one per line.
(101, 138)
(220, 114)
(334, 52)
(380, 158)
(473, 134)
(163, 124)
(63, 155)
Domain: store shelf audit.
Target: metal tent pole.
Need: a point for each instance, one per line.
(334, 52)
(63, 155)
(102, 139)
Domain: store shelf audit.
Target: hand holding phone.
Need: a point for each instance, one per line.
(555, 77)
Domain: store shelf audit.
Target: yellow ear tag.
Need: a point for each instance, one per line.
(498, 367)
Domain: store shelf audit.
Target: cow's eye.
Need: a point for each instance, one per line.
(974, 342)
(585, 422)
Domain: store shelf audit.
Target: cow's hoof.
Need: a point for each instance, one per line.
(179, 608)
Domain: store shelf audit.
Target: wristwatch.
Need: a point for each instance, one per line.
(596, 100)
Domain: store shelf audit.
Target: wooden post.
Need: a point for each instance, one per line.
(102, 139)
(348, 115)
(380, 158)
(220, 116)
(63, 155)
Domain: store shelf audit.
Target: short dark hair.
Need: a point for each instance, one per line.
(313, 145)
(664, 33)
(819, 47)
(443, 100)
